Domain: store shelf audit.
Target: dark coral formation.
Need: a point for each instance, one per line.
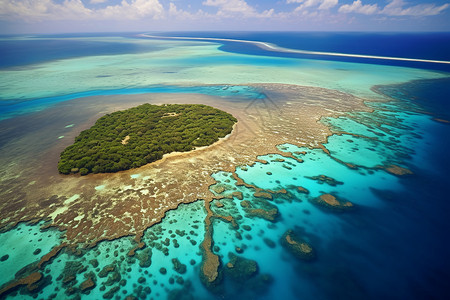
(139, 245)
(178, 266)
(30, 281)
(218, 189)
(49, 256)
(269, 215)
(209, 268)
(238, 195)
(297, 246)
(71, 269)
(110, 293)
(260, 208)
(331, 202)
(325, 179)
(302, 190)
(4, 257)
(113, 278)
(262, 194)
(106, 269)
(87, 285)
(240, 269)
(244, 274)
(145, 258)
(397, 170)
(269, 243)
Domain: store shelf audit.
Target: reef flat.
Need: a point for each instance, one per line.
(91, 210)
(99, 207)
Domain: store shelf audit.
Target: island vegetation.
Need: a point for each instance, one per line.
(140, 135)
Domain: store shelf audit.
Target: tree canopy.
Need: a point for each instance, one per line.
(140, 135)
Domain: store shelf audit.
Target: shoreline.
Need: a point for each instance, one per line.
(186, 153)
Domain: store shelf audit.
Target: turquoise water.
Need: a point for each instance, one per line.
(9, 109)
(23, 245)
(130, 273)
(390, 244)
(260, 241)
(187, 63)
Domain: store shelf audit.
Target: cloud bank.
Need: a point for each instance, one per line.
(394, 8)
(173, 14)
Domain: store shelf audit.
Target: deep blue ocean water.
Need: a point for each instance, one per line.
(394, 246)
(16, 52)
(432, 46)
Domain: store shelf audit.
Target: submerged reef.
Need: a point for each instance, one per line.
(331, 202)
(109, 206)
(397, 170)
(210, 274)
(260, 208)
(128, 208)
(324, 179)
(30, 281)
(240, 269)
(297, 246)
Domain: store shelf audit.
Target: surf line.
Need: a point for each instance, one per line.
(276, 48)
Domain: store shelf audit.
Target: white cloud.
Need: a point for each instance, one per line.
(136, 9)
(396, 8)
(320, 4)
(228, 8)
(180, 14)
(228, 13)
(44, 10)
(327, 4)
(358, 7)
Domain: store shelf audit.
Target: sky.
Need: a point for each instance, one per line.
(63, 16)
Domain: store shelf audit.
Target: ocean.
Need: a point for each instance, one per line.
(433, 46)
(392, 244)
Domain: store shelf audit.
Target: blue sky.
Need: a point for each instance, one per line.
(52, 16)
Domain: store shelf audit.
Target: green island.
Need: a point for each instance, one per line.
(140, 135)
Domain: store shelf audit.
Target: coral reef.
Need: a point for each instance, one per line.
(302, 190)
(260, 208)
(209, 268)
(29, 281)
(297, 246)
(261, 194)
(397, 170)
(269, 215)
(178, 266)
(87, 285)
(145, 258)
(325, 179)
(239, 268)
(331, 202)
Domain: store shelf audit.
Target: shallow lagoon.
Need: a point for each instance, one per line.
(187, 63)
